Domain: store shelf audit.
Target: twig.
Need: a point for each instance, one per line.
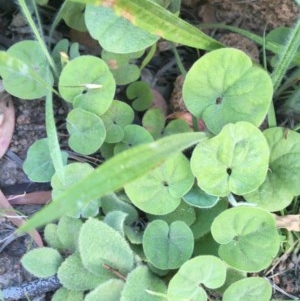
(30, 289)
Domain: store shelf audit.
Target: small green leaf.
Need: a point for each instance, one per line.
(165, 186)
(92, 88)
(198, 198)
(168, 247)
(188, 282)
(249, 289)
(73, 15)
(38, 164)
(116, 220)
(232, 89)
(113, 202)
(74, 276)
(138, 282)
(141, 95)
(25, 70)
(51, 237)
(235, 161)
(133, 135)
(42, 262)
(87, 131)
(175, 127)
(282, 181)
(115, 119)
(154, 122)
(107, 291)
(63, 294)
(107, 249)
(67, 231)
(244, 232)
(122, 66)
(115, 33)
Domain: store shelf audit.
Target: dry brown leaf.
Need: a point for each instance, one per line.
(7, 122)
(290, 222)
(16, 219)
(33, 198)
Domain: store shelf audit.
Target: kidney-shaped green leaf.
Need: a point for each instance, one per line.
(231, 89)
(38, 164)
(188, 282)
(87, 131)
(115, 119)
(25, 71)
(282, 181)
(103, 248)
(160, 191)
(248, 237)
(235, 161)
(115, 33)
(87, 82)
(249, 289)
(168, 247)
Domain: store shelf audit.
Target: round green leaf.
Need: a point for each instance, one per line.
(107, 291)
(168, 247)
(42, 262)
(122, 66)
(141, 95)
(87, 131)
(38, 164)
(87, 82)
(248, 237)
(188, 282)
(115, 119)
(154, 122)
(73, 15)
(249, 289)
(164, 185)
(74, 276)
(231, 89)
(102, 248)
(175, 127)
(116, 220)
(138, 282)
(51, 237)
(25, 86)
(115, 33)
(133, 135)
(282, 181)
(235, 161)
(198, 198)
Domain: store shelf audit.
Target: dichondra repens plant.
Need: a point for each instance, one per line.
(151, 223)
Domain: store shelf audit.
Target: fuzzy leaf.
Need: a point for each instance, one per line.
(101, 247)
(138, 282)
(42, 262)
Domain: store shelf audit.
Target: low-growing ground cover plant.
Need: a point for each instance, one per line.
(152, 223)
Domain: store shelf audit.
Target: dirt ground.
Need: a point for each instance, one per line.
(256, 16)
